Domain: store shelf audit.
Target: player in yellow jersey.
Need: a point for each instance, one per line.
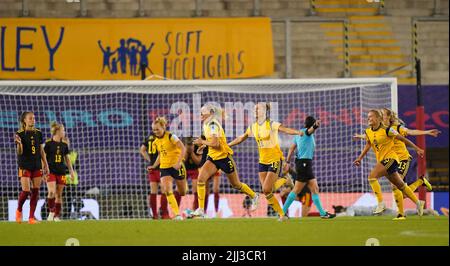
(381, 140)
(219, 158)
(271, 157)
(390, 119)
(170, 160)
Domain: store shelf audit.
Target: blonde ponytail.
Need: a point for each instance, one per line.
(161, 120)
(55, 127)
(215, 111)
(393, 117)
(377, 113)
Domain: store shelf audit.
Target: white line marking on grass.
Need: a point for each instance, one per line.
(422, 234)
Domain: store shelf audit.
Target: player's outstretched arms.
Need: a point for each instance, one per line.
(238, 140)
(416, 132)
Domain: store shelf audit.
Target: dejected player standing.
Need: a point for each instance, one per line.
(31, 160)
(57, 152)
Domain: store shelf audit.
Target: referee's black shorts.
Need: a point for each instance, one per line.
(304, 170)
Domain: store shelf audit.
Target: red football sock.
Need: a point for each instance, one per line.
(177, 197)
(216, 200)
(195, 203)
(153, 205)
(206, 200)
(23, 195)
(51, 204)
(57, 209)
(283, 200)
(33, 201)
(164, 206)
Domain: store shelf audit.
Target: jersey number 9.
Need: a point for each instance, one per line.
(33, 148)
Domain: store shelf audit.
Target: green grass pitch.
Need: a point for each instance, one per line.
(345, 231)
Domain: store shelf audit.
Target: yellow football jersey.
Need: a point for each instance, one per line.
(382, 142)
(400, 146)
(169, 153)
(266, 137)
(213, 128)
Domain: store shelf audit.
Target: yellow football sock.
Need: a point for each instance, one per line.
(376, 189)
(173, 203)
(410, 194)
(280, 181)
(274, 203)
(398, 196)
(247, 190)
(416, 184)
(201, 191)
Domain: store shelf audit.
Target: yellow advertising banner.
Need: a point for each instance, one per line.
(105, 49)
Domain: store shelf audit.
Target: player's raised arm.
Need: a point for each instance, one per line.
(290, 131)
(313, 128)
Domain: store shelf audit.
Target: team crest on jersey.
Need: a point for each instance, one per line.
(393, 131)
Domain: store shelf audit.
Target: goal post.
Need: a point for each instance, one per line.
(107, 121)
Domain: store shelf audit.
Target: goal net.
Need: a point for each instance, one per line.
(107, 122)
